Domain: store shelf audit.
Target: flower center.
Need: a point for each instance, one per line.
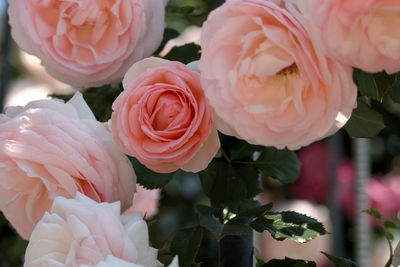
(165, 112)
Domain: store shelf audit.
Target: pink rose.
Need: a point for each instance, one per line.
(82, 232)
(163, 118)
(361, 33)
(267, 81)
(145, 201)
(88, 42)
(50, 149)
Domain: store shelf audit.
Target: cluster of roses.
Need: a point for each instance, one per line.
(275, 73)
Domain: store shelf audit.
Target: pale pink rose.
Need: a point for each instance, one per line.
(82, 232)
(145, 201)
(50, 149)
(361, 33)
(163, 118)
(87, 42)
(267, 81)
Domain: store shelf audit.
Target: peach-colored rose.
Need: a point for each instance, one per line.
(163, 118)
(88, 42)
(362, 33)
(50, 149)
(266, 80)
(145, 201)
(82, 232)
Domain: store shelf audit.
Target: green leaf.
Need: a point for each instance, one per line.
(391, 225)
(339, 261)
(220, 184)
(249, 209)
(149, 179)
(288, 262)
(364, 122)
(186, 244)
(241, 149)
(373, 85)
(279, 164)
(249, 175)
(233, 228)
(395, 92)
(185, 54)
(289, 224)
(206, 219)
(373, 212)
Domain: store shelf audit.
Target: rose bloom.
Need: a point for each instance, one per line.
(163, 118)
(82, 232)
(361, 33)
(87, 42)
(145, 201)
(266, 80)
(50, 149)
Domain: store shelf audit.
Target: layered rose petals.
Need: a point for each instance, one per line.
(87, 42)
(363, 34)
(267, 81)
(81, 232)
(50, 149)
(163, 118)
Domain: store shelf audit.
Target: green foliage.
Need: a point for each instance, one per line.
(288, 262)
(248, 209)
(185, 54)
(395, 93)
(238, 229)
(206, 219)
(339, 261)
(279, 164)
(289, 224)
(374, 213)
(149, 179)
(373, 85)
(385, 228)
(235, 176)
(186, 244)
(12, 246)
(180, 14)
(364, 122)
(220, 184)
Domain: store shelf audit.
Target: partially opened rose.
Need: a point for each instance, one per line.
(363, 34)
(50, 149)
(163, 118)
(267, 81)
(87, 42)
(82, 232)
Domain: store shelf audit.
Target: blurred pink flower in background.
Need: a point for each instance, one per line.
(313, 183)
(145, 201)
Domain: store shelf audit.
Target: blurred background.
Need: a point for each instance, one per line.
(338, 176)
